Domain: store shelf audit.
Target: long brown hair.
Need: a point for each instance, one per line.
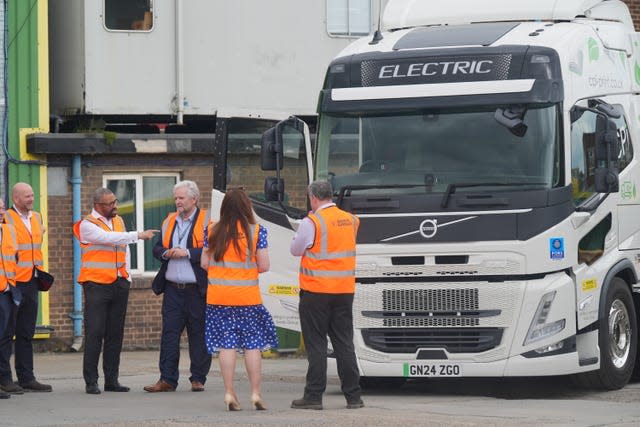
(236, 208)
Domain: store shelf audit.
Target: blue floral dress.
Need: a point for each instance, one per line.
(246, 327)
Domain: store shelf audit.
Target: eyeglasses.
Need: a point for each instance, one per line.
(111, 204)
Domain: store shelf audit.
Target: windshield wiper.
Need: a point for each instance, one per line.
(451, 188)
(349, 188)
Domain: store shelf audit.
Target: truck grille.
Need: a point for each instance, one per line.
(430, 299)
(453, 340)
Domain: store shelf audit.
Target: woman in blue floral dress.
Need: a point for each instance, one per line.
(236, 319)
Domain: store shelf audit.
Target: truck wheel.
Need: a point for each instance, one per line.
(371, 383)
(617, 338)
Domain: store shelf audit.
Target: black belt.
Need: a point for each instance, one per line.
(181, 285)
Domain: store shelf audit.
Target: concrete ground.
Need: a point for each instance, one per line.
(464, 402)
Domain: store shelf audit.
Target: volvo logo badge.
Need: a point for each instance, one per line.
(429, 228)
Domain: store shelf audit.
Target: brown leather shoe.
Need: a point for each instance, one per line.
(161, 385)
(197, 386)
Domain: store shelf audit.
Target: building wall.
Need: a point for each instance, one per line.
(143, 322)
(634, 8)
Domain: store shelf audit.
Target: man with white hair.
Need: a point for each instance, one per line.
(184, 284)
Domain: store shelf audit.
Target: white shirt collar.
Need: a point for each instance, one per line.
(28, 215)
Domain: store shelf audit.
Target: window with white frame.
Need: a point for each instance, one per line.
(348, 17)
(144, 200)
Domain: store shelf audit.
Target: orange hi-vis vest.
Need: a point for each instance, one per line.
(197, 240)
(234, 279)
(329, 266)
(102, 263)
(8, 257)
(29, 245)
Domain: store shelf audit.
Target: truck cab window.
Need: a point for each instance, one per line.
(128, 15)
(583, 154)
(243, 163)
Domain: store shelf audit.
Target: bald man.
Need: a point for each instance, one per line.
(29, 232)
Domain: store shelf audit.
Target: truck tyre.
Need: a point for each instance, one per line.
(617, 338)
(372, 383)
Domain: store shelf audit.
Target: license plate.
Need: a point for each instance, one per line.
(412, 370)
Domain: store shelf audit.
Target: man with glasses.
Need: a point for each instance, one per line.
(105, 276)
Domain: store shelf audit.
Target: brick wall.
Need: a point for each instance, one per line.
(143, 324)
(634, 8)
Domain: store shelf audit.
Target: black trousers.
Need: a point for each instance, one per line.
(322, 315)
(183, 308)
(23, 326)
(105, 308)
(6, 336)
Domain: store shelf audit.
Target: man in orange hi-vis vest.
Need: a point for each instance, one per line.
(326, 240)
(29, 231)
(184, 284)
(8, 299)
(105, 279)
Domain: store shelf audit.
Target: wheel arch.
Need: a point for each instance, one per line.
(624, 270)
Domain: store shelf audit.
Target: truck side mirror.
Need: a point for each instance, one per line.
(607, 147)
(273, 189)
(271, 150)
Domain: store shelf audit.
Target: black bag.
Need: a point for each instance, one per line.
(45, 280)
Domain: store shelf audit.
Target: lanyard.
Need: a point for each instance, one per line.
(182, 228)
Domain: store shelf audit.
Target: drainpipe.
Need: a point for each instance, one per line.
(179, 63)
(76, 315)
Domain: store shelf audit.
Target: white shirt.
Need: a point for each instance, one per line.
(91, 233)
(306, 234)
(26, 219)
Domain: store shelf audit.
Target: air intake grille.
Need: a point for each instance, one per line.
(408, 322)
(430, 299)
(458, 340)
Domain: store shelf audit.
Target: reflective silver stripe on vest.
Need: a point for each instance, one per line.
(95, 248)
(224, 282)
(10, 275)
(28, 246)
(332, 255)
(38, 263)
(95, 264)
(8, 257)
(327, 273)
(25, 264)
(232, 264)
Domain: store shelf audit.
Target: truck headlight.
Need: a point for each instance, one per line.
(539, 328)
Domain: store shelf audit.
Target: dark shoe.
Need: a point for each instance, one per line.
(35, 386)
(160, 386)
(92, 389)
(306, 404)
(4, 395)
(197, 386)
(11, 387)
(116, 387)
(356, 404)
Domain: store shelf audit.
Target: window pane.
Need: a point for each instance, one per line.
(125, 192)
(128, 15)
(158, 202)
(359, 17)
(243, 162)
(337, 17)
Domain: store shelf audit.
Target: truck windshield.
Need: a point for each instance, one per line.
(431, 150)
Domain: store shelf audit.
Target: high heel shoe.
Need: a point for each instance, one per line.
(231, 403)
(257, 402)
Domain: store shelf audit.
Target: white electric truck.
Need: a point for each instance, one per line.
(490, 150)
